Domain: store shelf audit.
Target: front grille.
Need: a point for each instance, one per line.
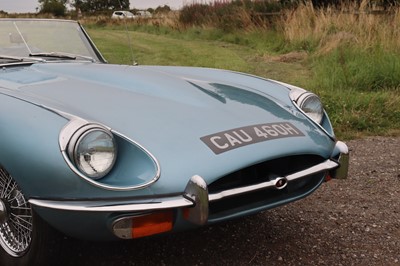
(263, 172)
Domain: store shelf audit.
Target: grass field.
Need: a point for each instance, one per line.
(153, 49)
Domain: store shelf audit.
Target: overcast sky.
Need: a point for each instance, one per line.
(23, 6)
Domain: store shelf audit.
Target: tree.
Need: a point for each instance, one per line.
(100, 5)
(162, 9)
(55, 7)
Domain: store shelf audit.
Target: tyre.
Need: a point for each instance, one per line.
(25, 238)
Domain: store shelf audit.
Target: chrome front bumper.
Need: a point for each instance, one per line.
(196, 198)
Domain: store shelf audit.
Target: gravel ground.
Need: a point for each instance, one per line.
(345, 222)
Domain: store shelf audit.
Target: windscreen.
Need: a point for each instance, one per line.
(26, 37)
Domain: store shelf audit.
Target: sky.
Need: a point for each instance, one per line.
(24, 6)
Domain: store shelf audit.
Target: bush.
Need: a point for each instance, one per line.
(230, 16)
(195, 14)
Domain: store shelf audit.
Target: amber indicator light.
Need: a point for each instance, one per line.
(152, 224)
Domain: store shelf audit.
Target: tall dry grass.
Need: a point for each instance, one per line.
(221, 14)
(325, 29)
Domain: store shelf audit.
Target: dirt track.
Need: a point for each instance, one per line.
(346, 222)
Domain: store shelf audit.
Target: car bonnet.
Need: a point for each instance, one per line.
(206, 121)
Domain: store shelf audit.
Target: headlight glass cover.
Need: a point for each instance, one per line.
(95, 153)
(311, 105)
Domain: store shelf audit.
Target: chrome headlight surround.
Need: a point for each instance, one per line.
(139, 173)
(93, 151)
(90, 148)
(309, 103)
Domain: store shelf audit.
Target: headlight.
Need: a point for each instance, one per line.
(93, 151)
(310, 104)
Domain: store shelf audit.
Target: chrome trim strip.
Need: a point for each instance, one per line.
(324, 166)
(193, 196)
(69, 130)
(94, 47)
(152, 157)
(89, 206)
(294, 94)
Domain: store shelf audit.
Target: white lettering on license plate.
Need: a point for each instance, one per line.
(231, 139)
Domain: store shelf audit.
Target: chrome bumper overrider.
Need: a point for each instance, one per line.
(344, 158)
(196, 197)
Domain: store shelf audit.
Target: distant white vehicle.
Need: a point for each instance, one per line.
(144, 14)
(123, 15)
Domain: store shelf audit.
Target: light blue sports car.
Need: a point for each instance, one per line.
(101, 152)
